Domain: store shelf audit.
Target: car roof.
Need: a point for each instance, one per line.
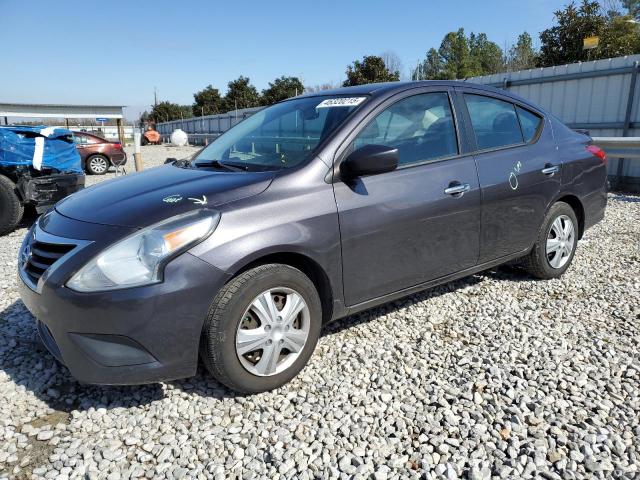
(391, 87)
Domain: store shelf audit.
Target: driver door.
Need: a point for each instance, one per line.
(406, 227)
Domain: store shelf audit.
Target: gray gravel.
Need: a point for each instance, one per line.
(496, 375)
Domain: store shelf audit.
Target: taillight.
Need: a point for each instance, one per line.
(117, 146)
(598, 152)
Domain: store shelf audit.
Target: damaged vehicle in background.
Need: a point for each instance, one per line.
(310, 210)
(38, 166)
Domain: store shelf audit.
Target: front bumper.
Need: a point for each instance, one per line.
(130, 336)
(46, 190)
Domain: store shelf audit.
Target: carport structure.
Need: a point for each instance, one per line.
(43, 110)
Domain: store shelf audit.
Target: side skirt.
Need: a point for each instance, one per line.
(432, 283)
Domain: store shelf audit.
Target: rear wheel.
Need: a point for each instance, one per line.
(262, 328)
(556, 243)
(11, 209)
(144, 140)
(97, 165)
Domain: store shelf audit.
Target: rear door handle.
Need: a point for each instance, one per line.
(550, 170)
(457, 189)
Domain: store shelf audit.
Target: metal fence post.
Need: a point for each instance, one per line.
(627, 118)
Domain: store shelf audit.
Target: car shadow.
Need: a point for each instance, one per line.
(26, 362)
(625, 197)
(511, 273)
(28, 218)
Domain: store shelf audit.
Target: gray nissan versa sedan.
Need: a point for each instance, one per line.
(310, 210)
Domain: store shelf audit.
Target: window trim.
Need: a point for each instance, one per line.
(340, 152)
(483, 93)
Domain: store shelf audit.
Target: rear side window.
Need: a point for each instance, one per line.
(494, 122)
(421, 127)
(530, 123)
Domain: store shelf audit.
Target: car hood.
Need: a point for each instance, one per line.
(142, 199)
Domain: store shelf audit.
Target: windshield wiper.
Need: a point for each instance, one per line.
(219, 164)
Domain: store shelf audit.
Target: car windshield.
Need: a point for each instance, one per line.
(281, 136)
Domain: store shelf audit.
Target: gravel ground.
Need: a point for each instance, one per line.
(495, 375)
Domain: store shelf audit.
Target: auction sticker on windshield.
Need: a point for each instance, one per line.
(341, 102)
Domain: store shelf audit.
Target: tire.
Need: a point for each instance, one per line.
(546, 264)
(11, 208)
(97, 165)
(233, 311)
(143, 140)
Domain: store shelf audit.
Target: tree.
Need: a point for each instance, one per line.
(460, 56)
(207, 102)
(621, 36)
(240, 94)
(633, 6)
(612, 8)
(522, 55)
(455, 55)
(370, 70)
(392, 61)
(431, 68)
(282, 88)
(563, 43)
(167, 111)
(486, 57)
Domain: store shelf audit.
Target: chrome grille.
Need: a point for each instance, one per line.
(39, 256)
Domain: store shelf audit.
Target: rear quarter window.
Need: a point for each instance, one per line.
(530, 123)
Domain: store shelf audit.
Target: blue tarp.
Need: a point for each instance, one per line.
(41, 147)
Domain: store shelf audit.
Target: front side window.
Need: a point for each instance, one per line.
(421, 127)
(281, 136)
(530, 123)
(494, 121)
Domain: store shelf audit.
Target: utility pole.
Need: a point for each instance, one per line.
(155, 96)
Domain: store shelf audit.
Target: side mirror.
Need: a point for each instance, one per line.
(369, 160)
(170, 160)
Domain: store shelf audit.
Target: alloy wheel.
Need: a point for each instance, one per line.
(98, 164)
(273, 331)
(560, 241)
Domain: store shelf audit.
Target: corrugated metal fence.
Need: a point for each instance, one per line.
(208, 126)
(600, 96)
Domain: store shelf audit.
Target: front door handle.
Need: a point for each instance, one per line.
(457, 189)
(550, 170)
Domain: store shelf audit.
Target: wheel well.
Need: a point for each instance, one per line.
(575, 203)
(307, 266)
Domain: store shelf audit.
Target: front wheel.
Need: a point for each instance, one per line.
(556, 243)
(11, 208)
(262, 328)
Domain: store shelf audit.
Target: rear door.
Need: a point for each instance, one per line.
(518, 169)
(408, 226)
(82, 145)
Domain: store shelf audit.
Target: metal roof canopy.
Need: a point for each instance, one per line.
(35, 110)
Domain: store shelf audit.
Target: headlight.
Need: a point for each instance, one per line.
(137, 260)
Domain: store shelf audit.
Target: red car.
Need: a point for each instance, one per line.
(98, 154)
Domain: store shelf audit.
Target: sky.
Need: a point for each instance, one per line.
(116, 52)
